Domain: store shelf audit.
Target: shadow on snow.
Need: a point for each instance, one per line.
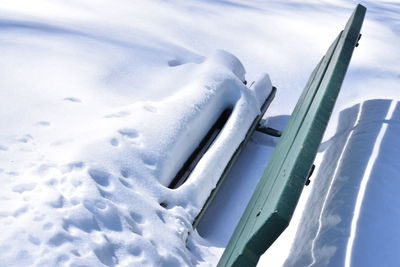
(324, 230)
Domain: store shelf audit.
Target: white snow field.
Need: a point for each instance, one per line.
(102, 102)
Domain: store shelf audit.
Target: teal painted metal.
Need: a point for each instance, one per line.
(275, 198)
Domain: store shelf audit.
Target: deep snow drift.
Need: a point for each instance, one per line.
(355, 205)
(108, 201)
(101, 102)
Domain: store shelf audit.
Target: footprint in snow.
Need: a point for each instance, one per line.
(43, 123)
(106, 213)
(135, 228)
(18, 212)
(100, 176)
(47, 226)
(34, 240)
(114, 142)
(61, 142)
(125, 172)
(57, 202)
(105, 253)
(129, 133)
(150, 162)
(137, 217)
(72, 99)
(75, 252)
(62, 259)
(150, 108)
(23, 254)
(39, 217)
(74, 165)
(24, 187)
(135, 250)
(119, 114)
(125, 183)
(60, 238)
(174, 63)
(25, 138)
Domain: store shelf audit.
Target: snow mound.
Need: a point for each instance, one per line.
(106, 201)
(352, 213)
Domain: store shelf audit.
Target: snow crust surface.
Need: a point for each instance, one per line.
(101, 103)
(97, 194)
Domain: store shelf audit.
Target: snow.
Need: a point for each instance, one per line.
(353, 222)
(224, 213)
(107, 201)
(101, 103)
